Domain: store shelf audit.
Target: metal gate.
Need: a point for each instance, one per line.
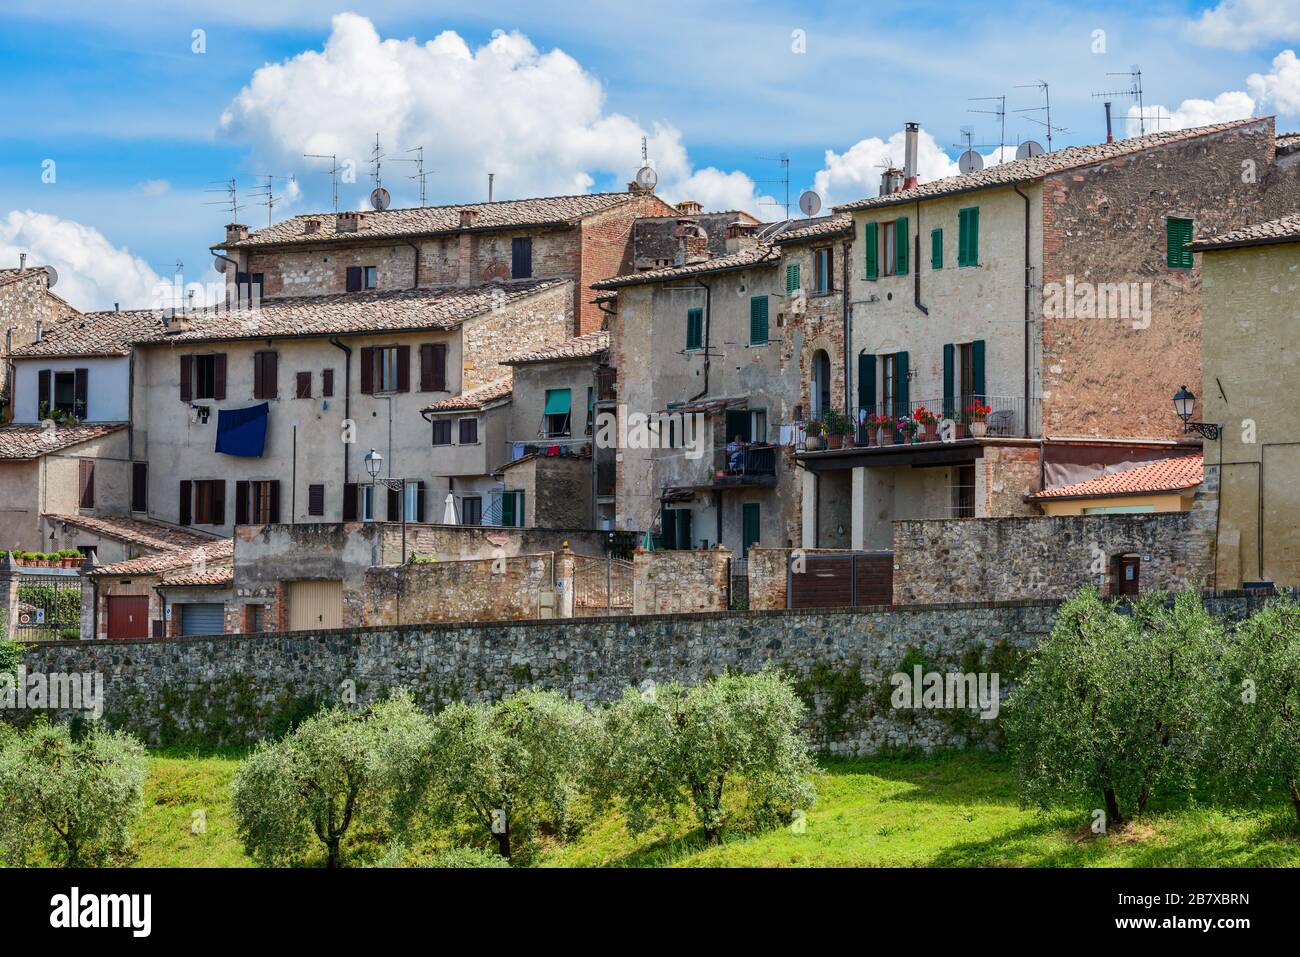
(601, 586)
(738, 576)
(203, 619)
(48, 608)
(837, 580)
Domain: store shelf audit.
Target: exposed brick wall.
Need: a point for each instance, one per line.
(669, 582)
(23, 303)
(606, 250)
(1004, 476)
(1106, 224)
(541, 320)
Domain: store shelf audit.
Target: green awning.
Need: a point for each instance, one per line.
(557, 402)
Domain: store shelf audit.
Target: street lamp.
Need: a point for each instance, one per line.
(374, 463)
(1184, 404)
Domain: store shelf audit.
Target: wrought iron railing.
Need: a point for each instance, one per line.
(606, 384)
(758, 461)
(955, 418)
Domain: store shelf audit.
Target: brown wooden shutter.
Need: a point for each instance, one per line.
(187, 378)
(241, 503)
(327, 382)
(403, 368)
(271, 375)
(426, 367)
(259, 390)
(303, 385)
(367, 370)
(86, 483)
(419, 503)
(186, 501)
(139, 487)
(354, 279)
(439, 367)
(43, 387)
(394, 506)
(219, 376)
(350, 502)
(218, 510)
(275, 502)
(82, 393)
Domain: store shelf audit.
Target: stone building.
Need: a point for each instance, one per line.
(1046, 308)
(1249, 314)
(580, 238)
(27, 309)
(741, 345)
(183, 590)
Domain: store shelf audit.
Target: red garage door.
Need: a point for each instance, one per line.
(128, 616)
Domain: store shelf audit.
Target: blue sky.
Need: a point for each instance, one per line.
(132, 116)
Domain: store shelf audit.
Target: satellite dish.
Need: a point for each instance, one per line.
(379, 198)
(970, 162)
(647, 178)
(1029, 148)
(810, 203)
(52, 277)
(219, 265)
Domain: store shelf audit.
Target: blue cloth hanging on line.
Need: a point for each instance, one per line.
(242, 431)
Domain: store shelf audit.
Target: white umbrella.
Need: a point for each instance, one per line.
(449, 513)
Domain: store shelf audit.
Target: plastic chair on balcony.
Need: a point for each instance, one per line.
(1002, 422)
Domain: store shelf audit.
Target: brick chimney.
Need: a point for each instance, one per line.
(468, 217)
(740, 235)
(348, 221)
(235, 232)
(310, 226)
(692, 243)
(689, 207)
(891, 181)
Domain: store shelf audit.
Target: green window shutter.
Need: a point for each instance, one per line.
(669, 528)
(936, 249)
(684, 534)
(867, 382)
(949, 378)
(1178, 232)
(694, 328)
(977, 367)
(904, 403)
(508, 509)
(758, 320)
(902, 246)
(792, 277)
(968, 236)
(871, 243)
(751, 520)
(557, 402)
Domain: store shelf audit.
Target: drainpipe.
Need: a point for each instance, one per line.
(1016, 187)
(347, 399)
(847, 311)
(415, 282)
(708, 321)
(916, 279)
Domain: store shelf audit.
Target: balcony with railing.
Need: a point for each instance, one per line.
(752, 465)
(606, 384)
(935, 421)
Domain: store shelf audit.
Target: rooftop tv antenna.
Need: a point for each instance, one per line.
(1046, 108)
(376, 160)
(646, 177)
(784, 160)
(1000, 113)
(420, 174)
(231, 201)
(267, 193)
(334, 171)
(1134, 92)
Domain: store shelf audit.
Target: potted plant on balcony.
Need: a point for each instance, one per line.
(978, 413)
(881, 428)
(813, 432)
(928, 423)
(837, 427)
(908, 426)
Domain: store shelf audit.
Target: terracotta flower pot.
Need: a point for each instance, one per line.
(979, 429)
(835, 441)
(931, 433)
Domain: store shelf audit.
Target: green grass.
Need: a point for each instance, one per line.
(950, 810)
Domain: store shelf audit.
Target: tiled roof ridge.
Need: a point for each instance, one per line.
(1171, 474)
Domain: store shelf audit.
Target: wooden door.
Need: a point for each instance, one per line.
(1127, 568)
(128, 616)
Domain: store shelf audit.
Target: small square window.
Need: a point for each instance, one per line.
(469, 431)
(442, 431)
(371, 277)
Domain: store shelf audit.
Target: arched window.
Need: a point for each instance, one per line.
(821, 384)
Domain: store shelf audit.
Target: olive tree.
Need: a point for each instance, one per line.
(1115, 705)
(74, 800)
(510, 768)
(668, 747)
(338, 767)
(1258, 720)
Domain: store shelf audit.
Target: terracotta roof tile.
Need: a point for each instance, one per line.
(1167, 475)
(760, 254)
(441, 307)
(1045, 164)
(796, 230)
(218, 552)
(582, 347)
(33, 441)
(220, 577)
(1284, 230)
(13, 275)
(137, 531)
(474, 398)
(431, 220)
(91, 334)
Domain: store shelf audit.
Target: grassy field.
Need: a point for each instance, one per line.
(951, 810)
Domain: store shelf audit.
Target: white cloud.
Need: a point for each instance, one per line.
(537, 120)
(1280, 89)
(855, 173)
(1241, 24)
(154, 187)
(93, 273)
(1233, 105)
